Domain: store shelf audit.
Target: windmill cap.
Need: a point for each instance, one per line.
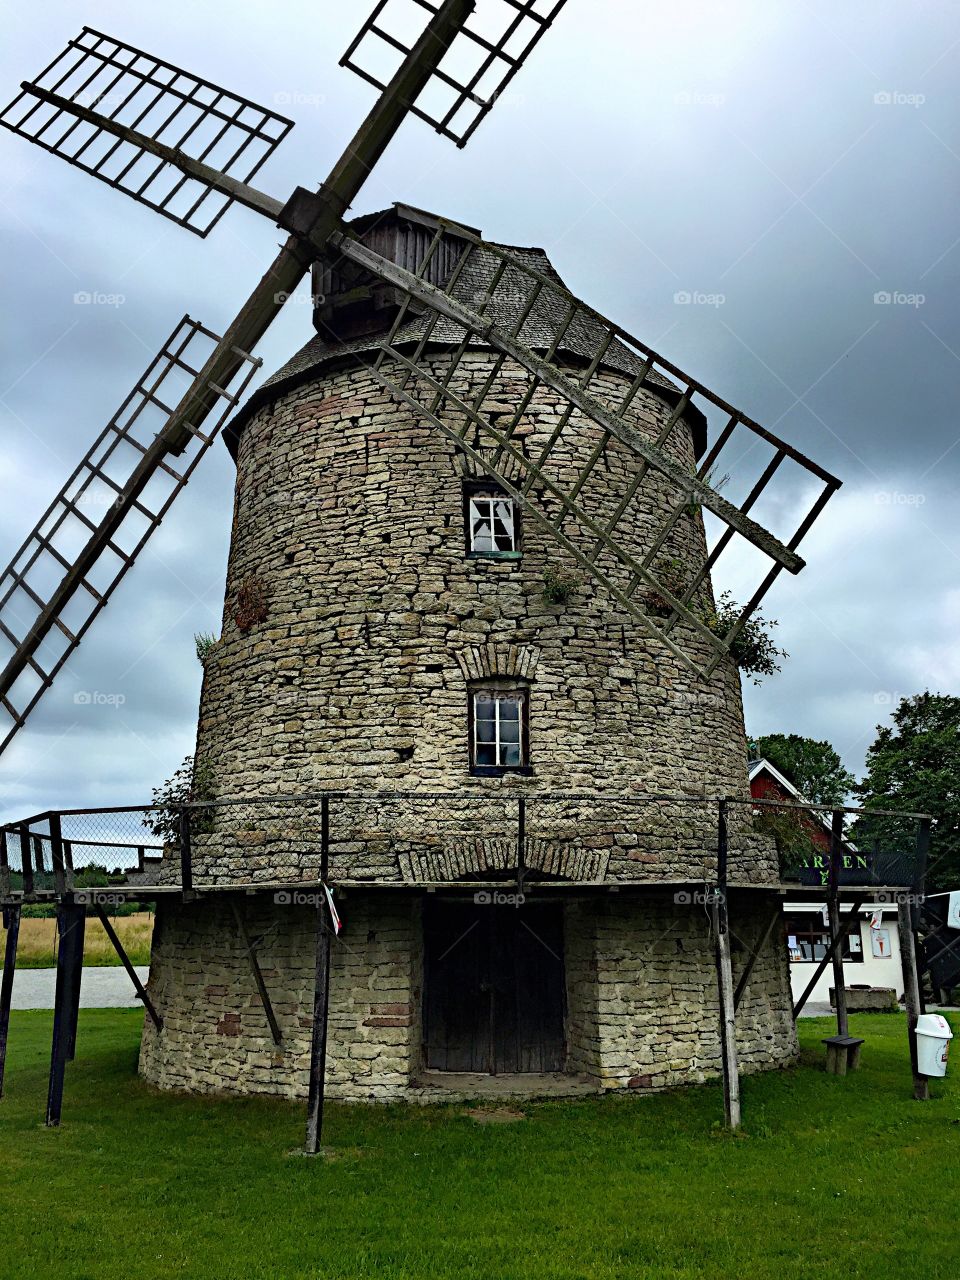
(352, 321)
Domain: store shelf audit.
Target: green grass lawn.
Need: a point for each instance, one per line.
(830, 1178)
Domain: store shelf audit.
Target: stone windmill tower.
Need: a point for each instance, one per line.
(472, 673)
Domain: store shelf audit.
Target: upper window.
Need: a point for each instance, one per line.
(492, 520)
(498, 730)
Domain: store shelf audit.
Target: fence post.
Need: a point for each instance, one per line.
(186, 854)
(521, 841)
(721, 932)
(56, 854)
(11, 920)
(833, 909)
(26, 861)
(321, 996)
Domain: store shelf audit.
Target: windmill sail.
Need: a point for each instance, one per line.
(548, 341)
(95, 528)
(183, 146)
(488, 51)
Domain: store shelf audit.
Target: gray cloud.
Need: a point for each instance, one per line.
(797, 161)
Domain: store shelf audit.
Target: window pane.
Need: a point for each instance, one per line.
(486, 731)
(509, 730)
(481, 522)
(511, 755)
(486, 754)
(484, 708)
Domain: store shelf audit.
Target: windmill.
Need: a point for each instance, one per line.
(189, 149)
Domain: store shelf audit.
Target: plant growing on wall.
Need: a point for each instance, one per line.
(251, 604)
(753, 649)
(560, 585)
(193, 783)
(204, 642)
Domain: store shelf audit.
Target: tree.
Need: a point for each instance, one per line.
(813, 767)
(914, 765)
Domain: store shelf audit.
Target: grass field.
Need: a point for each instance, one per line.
(831, 1177)
(36, 947)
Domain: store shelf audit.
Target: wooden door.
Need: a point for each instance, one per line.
(494, 987)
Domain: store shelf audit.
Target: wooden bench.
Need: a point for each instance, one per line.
(843, 1054)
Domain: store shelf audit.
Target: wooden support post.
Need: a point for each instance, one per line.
(125, 961)
(186, 855)
(521, 842)
(833, 910)
(911, 992)
(321, 997)
(919, 896)
(257, 973)
(755, 954)
(26, 863)
(69, 958)
(56, 855)
(11, 922)
(721, 933)
(76, 977)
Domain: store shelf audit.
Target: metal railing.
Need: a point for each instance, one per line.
(504, 836)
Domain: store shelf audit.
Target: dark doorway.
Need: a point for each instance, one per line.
(494, 987)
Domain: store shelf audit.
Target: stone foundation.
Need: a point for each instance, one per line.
(641, 1002)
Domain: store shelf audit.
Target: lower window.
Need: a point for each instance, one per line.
(498, 729)
(809, 939)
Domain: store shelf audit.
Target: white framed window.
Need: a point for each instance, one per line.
(492, 522)
(498, 729)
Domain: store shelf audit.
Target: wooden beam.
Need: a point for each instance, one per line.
(744, 978)
(721, 933)
(833, 911)
(257, 973)
(321, 998)
(11, 922)
(69, 958)
(911, 994)
(244, 194)
(125, 961)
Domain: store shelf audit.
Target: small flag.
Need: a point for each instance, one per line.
(953, 910)
(334, 918)
(876, 920)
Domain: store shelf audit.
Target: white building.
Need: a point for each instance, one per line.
(871, 949)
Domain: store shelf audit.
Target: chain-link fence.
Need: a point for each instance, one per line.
(437, 838)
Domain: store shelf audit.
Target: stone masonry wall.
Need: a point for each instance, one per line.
(353, 620)
(641, 997)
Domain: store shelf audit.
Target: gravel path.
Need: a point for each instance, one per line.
(100, 988)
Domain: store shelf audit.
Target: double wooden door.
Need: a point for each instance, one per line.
(494, 987)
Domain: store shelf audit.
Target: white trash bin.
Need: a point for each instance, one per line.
(933, 1042)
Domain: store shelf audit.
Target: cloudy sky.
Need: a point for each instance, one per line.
(787, 163)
